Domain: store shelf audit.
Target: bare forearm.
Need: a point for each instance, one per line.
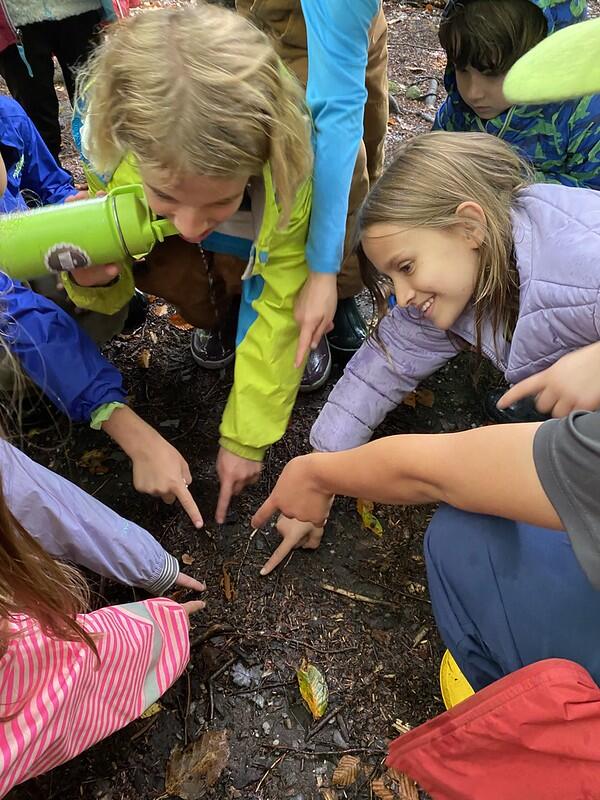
(488, 470)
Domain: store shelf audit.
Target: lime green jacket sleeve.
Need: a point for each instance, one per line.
(266, 381)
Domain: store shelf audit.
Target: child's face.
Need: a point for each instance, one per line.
(434, 270)
(195, 204)
(482, 92)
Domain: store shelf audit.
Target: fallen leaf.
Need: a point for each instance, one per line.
(193, 770)
(187, 559)
(368, 519)
(413, 92)
(381, 791)
(407, 788)
(153, 337)
(226, 583)
(346, 771)
(144, 359)
(179, 322)
(93, 461)
(425, 397)
(410, 400)
(155, 708)
(313, 688)
(392, 121)
(329, 794)
(160, 310)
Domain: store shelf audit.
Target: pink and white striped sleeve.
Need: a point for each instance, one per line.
(56, 700)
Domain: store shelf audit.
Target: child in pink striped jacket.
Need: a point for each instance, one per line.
(68, 679)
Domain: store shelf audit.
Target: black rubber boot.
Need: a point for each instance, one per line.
(214, 348)
(318, 367)
(349, 329)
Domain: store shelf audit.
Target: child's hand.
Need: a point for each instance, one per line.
(159, 468)
(572, 383)
(193, 606)
(294, 534)
(296, 495)
(235, 473)
(187, 582)
(314, 310)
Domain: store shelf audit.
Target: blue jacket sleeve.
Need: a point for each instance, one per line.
(582, 163)
(55, 353)
(72, 525)
(338, 49)
(41, 173)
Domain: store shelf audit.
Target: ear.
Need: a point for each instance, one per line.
(472, 216)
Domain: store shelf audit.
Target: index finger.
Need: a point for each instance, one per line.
(530, 387)
(264, 513)
(304, 342)
(225, 494)
(188, 503)
(286, 546)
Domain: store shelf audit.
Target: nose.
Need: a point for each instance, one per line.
(190, 222)
(405, 294)
(476, 89)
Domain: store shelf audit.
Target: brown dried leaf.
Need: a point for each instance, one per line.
(187, 559)
(93, 461)
(329, 794)
(346, 771)
(425, 397)
(226, 582)
(179, 322)
(407, 788)
(410, 400)
(190, 772)
(144, 359)
(381, 791)
(160, 310)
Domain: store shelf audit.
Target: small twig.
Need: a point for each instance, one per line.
(252, 535)
(323, 722)
(102, 485)
(260, 688)
(213, 630)
(363, 598)
(317, 753)
(277, 761)
(209, 685)
(321, 650)
(217, 673)
(187, 709)
(144, 729)
(369, 776)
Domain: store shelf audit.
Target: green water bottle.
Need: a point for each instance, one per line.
(116, 227)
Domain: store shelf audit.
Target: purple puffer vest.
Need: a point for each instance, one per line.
(556, 232)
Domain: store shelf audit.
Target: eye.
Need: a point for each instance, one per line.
(407, 267)
(162, 196)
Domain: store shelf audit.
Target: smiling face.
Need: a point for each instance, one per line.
(433, 270)
(482, 92)
(195, 204)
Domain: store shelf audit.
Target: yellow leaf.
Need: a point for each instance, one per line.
(368, 519)
(151, 711)
(313, 688)
(144, 359)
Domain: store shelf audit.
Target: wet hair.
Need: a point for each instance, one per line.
(195, 90)
(430, 177)
(490, 35)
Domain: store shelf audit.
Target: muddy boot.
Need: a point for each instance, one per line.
(214, 348)
(137, 312)
(349, 330)
(318, 367)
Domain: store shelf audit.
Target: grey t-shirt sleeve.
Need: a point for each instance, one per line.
(566, 453)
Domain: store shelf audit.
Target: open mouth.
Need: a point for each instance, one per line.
(426, 307)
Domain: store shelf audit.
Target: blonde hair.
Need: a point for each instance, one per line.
(429, 178)
(196, 90)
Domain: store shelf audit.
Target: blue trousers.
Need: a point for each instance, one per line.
(506, 594)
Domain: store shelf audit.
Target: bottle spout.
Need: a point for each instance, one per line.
(163, 228)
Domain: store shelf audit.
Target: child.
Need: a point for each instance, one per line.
(194, 103)
(30, 34)
(61, 672)
(54, 352)
(482, 40)
(476, 257)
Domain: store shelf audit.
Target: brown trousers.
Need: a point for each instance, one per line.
(283, 21)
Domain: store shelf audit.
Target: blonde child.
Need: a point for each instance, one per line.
(195, 104)
(477, 257)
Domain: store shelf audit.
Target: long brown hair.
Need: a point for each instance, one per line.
(429, 178)
(34, 584)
